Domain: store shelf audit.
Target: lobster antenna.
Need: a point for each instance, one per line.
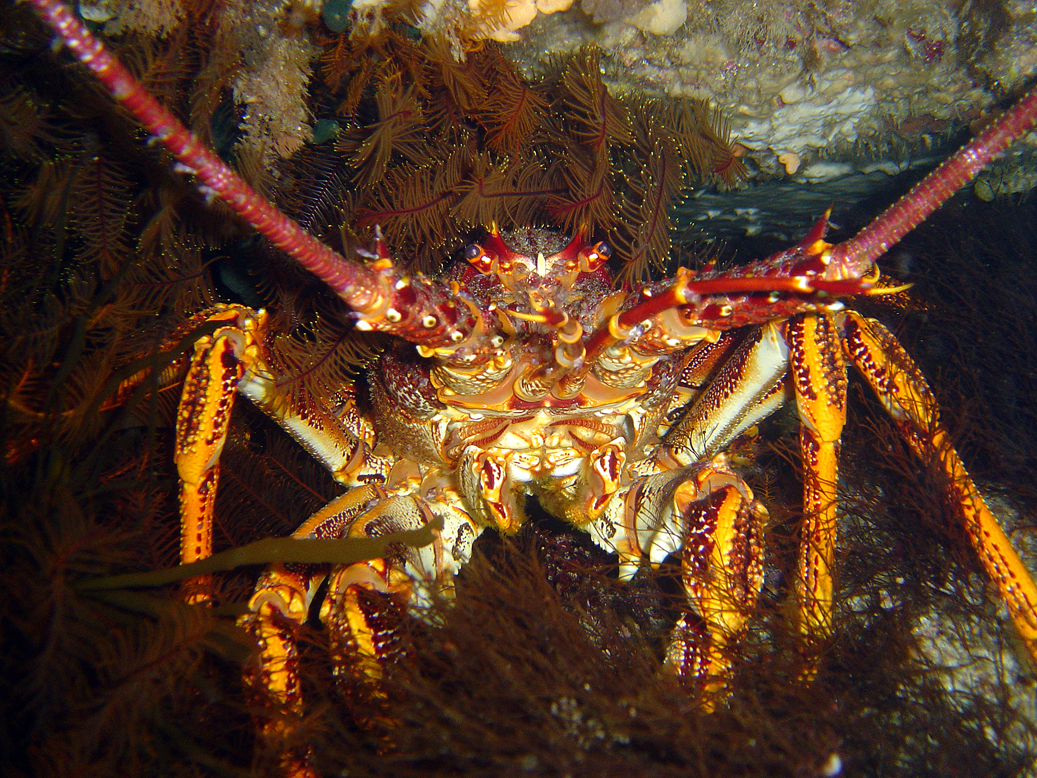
(852, 257)
(356, 284)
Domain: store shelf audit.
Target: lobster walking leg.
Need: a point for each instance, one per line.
(230, 360)
(366, 599)
(708, 515)
(722, 573)
(748, 387)
(805, 353)
(903, 391)
(818, 376)
(202, 421)
(279, 606)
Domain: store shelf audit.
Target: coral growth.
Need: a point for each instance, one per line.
(501, 21)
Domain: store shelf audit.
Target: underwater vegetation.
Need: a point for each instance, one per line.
(544, 665)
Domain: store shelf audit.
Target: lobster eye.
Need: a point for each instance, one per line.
(480, 260)
(595, 256)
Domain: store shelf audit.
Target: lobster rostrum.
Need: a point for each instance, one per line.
(531, 374)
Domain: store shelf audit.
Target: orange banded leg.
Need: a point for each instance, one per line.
(903, 391)
(709, 516)
(722, 573)
(279, 606)
(367, 601)
(364, 605)
(818, 375)
(229, 361)
(201, 430)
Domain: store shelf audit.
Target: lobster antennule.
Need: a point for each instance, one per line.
(728, 301)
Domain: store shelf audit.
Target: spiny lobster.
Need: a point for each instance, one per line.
(531, 375)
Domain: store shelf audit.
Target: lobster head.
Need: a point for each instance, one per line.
(535, 295)
(538, 264)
